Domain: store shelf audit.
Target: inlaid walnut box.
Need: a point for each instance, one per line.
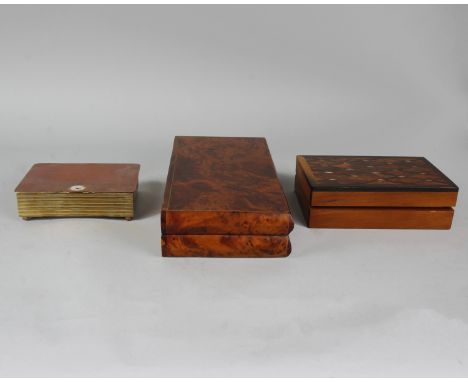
(78, 190)
(373, 192)
(223, 199)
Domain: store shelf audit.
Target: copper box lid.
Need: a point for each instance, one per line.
(80, 177)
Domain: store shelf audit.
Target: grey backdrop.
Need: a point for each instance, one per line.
(92, 297)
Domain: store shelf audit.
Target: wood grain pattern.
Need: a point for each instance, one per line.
(368, 173)
(374, 217)
(374, 192)
(226, 222)
(225, 246)
(223, 186)
(356, 198)
(304, 201)
(383, 199)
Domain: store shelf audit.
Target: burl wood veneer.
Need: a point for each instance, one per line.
(374, 192)
(225, 246)
(78, 190)
(225, 196)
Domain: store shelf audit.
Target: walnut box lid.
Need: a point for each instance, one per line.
(382, 181)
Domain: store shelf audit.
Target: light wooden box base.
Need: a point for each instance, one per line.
(384, 218)
(376, 217)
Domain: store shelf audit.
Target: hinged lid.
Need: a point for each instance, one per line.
(223, 186)
(374, 181)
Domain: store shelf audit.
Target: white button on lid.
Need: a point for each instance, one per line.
(77, 187)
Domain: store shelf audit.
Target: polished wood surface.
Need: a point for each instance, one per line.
(383, 199)
(373, 192)
(374, 217)
(223, 186)
(225, 246)
(355, 198)
(226, 222)
(368, 173)
(303, 198)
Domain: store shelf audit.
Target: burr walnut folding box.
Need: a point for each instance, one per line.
(223, 199)
(78, 190)
(373, 192)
